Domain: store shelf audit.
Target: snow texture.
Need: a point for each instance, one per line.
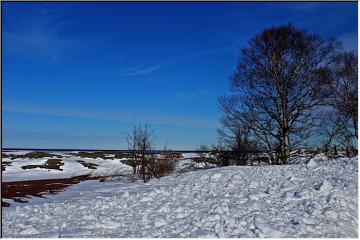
(71, 167)
(317, 199)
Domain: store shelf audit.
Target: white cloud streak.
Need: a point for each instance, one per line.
(152, 118)
(200, 92)
(142, 70)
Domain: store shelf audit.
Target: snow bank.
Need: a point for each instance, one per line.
(71, 168)
(261, 201)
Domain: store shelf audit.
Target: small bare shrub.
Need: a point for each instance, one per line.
(161, 167)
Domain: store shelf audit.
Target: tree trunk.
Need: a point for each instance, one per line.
(285, 149)
(284, 142)
(354, 120)
(143, 161)
(134, 162)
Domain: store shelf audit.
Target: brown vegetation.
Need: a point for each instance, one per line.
(160, 167)
(101, 154)
(52, 163)
(4, 164)
(172, 155)
(88, 164)
(35, 155)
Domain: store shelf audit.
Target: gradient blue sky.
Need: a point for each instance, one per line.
(76, 74)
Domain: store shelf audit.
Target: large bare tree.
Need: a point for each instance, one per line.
(277, 84)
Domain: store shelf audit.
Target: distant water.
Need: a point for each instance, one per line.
(88, 150)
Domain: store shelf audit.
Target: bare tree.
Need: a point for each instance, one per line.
(140, 142)
(144, 144)
(278, 83)
(202, 148)
(222, 154)
(343, 97)
(237, 136)
(132, 139)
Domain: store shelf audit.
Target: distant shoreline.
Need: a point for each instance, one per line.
(89, 150)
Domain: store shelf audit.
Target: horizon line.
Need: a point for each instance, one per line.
(94, 150)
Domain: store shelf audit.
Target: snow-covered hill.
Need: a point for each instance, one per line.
(318, 199)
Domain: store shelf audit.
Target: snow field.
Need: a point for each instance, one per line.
(314, 200)
(71, 168)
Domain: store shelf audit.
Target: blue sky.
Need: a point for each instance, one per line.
(75, 75)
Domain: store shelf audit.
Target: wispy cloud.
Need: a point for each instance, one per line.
(37, 34)
(53, 139)
(149, 117)
(200, 92)
(141, 70)
(146, 69)
(34, 44)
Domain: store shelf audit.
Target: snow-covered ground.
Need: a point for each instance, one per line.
(317, 199)
(71, 167)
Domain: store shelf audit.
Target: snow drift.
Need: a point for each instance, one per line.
(318, 199)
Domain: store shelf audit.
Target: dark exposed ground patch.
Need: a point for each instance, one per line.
(52, 163)
(88, 164)
(205, 160)
(5, 164)
(34, 155)
(172, 155)
(20, 190)
(103, 155)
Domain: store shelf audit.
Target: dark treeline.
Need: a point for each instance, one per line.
(290, 89)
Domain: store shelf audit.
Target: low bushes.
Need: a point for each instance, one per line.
(153, 167)
(160, 167)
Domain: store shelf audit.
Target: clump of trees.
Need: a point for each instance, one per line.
(290, 89)
(289, 84)
(140, 142)
(339, 120)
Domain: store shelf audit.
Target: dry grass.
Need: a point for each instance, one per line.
(88, 164)
(160, 167)
(205, 160)
(34, 155)
(154, 167)
(49, 164)
(172, 155)
(5, 164)
(101, 154)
